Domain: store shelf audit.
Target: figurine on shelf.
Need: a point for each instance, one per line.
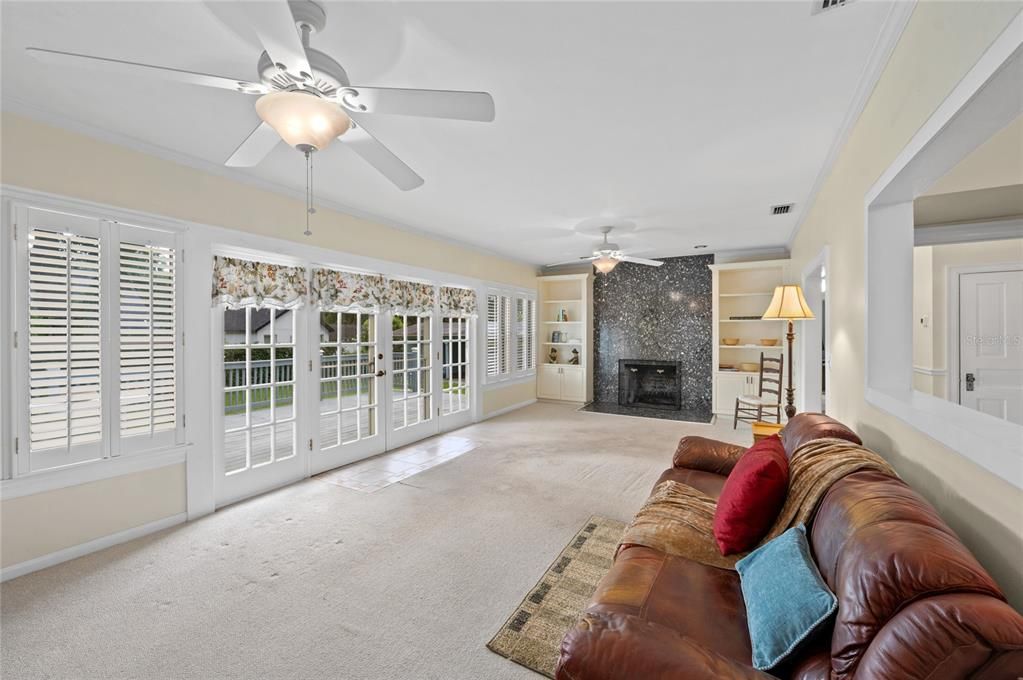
(552, 356)
(563, 315)
(574, 359)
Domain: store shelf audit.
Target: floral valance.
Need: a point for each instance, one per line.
(409, 297)
(457, 301)
(241, 283)
(334, 290)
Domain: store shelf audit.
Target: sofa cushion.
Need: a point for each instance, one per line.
(707, 482)
(752, 496)
(701, 603)
(881, 547)
(806, 427)
(786, 598)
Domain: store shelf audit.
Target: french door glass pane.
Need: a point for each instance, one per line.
(410, 370)
(347, 384)
(455, 366)
(259, 387)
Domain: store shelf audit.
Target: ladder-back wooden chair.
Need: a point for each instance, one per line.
(767, 400)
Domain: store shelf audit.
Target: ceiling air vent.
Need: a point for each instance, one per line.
(819, 6)
(782, 209)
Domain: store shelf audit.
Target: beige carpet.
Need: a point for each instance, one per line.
(532, 634)
(318, 581)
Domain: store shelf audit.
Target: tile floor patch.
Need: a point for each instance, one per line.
(389, 468)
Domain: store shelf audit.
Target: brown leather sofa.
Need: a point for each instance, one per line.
(913, 601)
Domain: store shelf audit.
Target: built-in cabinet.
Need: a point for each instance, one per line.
(741, 293)
(565, 325)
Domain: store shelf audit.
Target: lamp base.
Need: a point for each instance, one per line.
(790, 392)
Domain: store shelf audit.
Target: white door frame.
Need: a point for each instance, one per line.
(810, 334)
(952, 295)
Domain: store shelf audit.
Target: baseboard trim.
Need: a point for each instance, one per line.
(82, 549)
(509, 409)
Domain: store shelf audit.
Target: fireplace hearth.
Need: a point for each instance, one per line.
(650, 383)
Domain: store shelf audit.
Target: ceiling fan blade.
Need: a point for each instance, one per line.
(575, 261)
(455, 104)
(274, 26)
(131, 68)
(256, 146)
(641, 260)
(380, 157)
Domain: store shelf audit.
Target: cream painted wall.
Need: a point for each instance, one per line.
(940, 43)
(42, 157)
(996, 163)
(508, 396)
(923, 313)
(36, 525)
(38, 156)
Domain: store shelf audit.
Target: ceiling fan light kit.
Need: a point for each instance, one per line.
(606, 256)
(305, 98)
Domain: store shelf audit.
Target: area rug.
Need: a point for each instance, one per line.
(532, 634)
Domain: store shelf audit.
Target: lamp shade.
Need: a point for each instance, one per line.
(605, 263)
(788, 303)
(304, 121)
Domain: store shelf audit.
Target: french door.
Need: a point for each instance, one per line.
(411, 391)
(373, 381)
(259, 399)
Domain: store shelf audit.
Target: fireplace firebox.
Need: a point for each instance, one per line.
(650, 383)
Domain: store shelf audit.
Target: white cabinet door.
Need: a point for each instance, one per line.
(728, 386)
(548, 382)
(573, 384)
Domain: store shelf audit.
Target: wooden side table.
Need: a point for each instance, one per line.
(762, 429)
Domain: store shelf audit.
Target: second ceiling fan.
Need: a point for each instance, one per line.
(305, 97)
(606, 256)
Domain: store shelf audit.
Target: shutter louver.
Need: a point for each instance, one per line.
(520, 334)
(65, 401)
(147, 347)
(493, 337)
(505, 330)
(530, 334)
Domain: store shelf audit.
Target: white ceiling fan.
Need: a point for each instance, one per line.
(305, 96)
(606, 256)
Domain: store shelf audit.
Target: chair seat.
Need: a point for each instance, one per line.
(754, 400)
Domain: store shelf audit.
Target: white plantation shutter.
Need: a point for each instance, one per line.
(148, 390)
(511, 335)
(64, 381)
(493, 337)
(530, 334)
(97, 308)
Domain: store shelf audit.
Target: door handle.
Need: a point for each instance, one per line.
(970, 379)
(381, 373)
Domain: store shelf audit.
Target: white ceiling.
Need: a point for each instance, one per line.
(686, 119)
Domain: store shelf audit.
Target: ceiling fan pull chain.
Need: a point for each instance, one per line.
(309, 209)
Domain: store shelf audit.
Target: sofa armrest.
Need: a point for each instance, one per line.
(708, 455)
(624, 647)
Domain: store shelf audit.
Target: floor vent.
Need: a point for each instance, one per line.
(819, 6)
(782, 209)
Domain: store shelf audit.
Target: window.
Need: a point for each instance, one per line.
(97, 303)
(511, 336)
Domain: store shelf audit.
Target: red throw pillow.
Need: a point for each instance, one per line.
(752, 496)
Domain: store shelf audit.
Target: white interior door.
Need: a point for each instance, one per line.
(351, 378)
(412, 408)
(259, 443)
(991, 343)
(456, 363)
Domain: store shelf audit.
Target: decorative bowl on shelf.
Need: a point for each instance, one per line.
(768, 342)
(749, 366)
(726, 367)
(731, 342)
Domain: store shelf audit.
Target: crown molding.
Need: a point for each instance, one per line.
(63, 122)
(888, 37)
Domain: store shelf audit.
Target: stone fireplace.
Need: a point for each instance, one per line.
(650, 383)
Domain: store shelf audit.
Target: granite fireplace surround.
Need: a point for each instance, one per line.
(654, 314)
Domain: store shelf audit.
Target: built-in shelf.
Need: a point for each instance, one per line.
(745, 294)
(562, 322)
(559, 302)
(750, 346)
(573, 295)
(560, 365)
(750, 320)
(559, 344)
